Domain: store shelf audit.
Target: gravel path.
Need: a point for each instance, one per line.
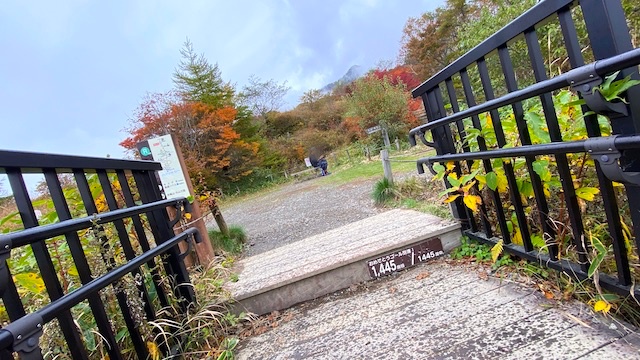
(299, 210)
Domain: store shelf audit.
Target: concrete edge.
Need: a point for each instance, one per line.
(448, 229)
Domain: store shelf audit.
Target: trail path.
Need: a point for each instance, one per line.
(438, 310)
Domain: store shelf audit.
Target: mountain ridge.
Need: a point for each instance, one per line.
(354, 72)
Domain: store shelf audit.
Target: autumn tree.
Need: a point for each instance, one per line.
(430, 42)
(377, 101)
(263, 97)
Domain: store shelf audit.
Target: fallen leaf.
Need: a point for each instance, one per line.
(392, 290)
(602, 306)
(422, 275)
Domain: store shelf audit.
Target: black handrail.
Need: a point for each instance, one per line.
(50, 311)
(32, 162)
(578, 146)
(34, 234)
(600, 67)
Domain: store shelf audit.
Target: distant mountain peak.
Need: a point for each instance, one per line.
(354, 72)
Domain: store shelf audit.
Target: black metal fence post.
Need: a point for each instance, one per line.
(609, 34)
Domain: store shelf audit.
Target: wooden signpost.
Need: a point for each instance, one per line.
(176, 182)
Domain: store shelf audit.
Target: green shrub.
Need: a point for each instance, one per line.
(383, 191)
(233, 243)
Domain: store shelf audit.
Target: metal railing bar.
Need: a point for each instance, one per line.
(569, 147)
(32, 162)
(44, 261)
(136, 337)
(516, 199)
(453, 100)
(34, 234)
(534, 16)
(82, 266)
(11, 299)
(601, 67)
(469, 97)
(142, 239)
(570, 268)
(49, 311)
(525, 139)
(555, 135)
(159, 222)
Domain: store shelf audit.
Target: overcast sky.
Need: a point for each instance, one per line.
(73, 71)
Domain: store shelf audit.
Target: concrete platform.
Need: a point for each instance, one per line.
(438, 311)
(334, 260)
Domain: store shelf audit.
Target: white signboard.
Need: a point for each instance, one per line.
(171, 176)
(371, 130)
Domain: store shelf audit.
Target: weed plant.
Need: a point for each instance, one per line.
(233, 244)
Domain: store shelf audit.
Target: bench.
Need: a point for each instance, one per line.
(305, 174)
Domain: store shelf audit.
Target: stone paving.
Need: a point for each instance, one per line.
(438, 311)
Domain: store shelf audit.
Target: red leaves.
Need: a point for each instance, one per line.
(206, 135)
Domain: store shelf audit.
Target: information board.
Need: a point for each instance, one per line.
(172, 178)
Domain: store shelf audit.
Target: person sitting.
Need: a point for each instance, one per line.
(319, 162)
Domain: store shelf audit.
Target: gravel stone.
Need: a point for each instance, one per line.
(298, 210)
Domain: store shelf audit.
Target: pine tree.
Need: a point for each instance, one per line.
(198, 80)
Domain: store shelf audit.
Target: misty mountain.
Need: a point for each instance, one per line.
(354, 72)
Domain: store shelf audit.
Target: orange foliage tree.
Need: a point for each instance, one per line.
(213, 150)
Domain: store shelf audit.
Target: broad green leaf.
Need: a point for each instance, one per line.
(525, 187)
(538, 241)
(541, 167)
(438, 168)
(453, 180)
(601, 251)
(32, 282)
(510, 226)
(492, 180)
(536, 123)
(465, 179)
(587, 193)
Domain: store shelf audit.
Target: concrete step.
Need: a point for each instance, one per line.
(336, 259)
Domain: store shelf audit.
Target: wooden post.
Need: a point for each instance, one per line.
(386, 165)
(348, 156)
(204, 250)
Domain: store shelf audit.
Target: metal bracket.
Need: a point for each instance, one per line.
(5, 252)
(26, 332)
(603, 150)
(178, 217)
(583, 81)
(186, 253)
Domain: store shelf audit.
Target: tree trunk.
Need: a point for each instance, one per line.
(217, 215)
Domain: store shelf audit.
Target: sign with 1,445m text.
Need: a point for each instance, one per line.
(405, 258)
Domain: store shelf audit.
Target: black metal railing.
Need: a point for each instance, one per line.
(535, 218)
(98, 250)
